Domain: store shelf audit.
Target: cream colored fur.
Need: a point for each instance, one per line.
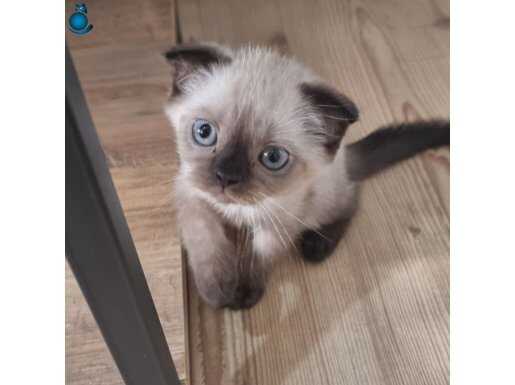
(260, 88)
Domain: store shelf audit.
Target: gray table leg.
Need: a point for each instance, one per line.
(101, 253)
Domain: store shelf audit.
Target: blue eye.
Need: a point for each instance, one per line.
(204, 133)
(274, 158)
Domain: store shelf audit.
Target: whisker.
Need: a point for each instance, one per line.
(253, 226)
(283, 242)
(282, 225)
(338, 118)
(253, 256)
(296, 218)
(328, 105)
(284, 228)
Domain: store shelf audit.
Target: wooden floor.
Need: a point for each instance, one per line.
(377, 312)
(126, 81)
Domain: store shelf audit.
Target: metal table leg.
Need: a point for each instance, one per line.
(101, 253)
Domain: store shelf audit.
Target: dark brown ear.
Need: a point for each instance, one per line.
(337, 111)
(185, 59)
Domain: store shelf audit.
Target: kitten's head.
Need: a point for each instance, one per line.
(250, 122)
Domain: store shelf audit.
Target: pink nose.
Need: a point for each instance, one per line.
(227, 179)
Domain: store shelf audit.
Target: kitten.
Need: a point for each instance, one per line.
(259, 141)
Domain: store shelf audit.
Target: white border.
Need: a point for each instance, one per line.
(482, 192)
(32, 193)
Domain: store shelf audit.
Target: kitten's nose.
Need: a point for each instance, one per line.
(228, 179)
(231, 165)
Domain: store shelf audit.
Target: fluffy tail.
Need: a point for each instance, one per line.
(393, 143)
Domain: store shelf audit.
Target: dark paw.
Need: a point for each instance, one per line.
(316, 248)
(245, 297)
(318, 245)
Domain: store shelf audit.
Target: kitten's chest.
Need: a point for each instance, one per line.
(242, 237)
(240, 215)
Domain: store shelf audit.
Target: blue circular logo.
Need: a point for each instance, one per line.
(78, 22)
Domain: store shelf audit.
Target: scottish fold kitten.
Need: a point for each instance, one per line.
(259, 141)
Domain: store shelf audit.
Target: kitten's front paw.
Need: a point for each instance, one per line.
(230, 288)
(245, 296)
(318, 245)
(314, 247)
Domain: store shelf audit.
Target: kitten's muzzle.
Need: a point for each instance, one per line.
(227, 179)
(231, 166)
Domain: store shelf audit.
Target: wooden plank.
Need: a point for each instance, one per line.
(118, 22)
(377, 311)
(126, 83)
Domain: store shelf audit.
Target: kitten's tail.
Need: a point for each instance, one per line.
(393, 143)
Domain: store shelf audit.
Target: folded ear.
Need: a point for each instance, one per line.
(336, 110)
(186, 59)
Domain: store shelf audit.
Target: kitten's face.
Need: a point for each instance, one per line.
(247, 127)
(237, 153)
